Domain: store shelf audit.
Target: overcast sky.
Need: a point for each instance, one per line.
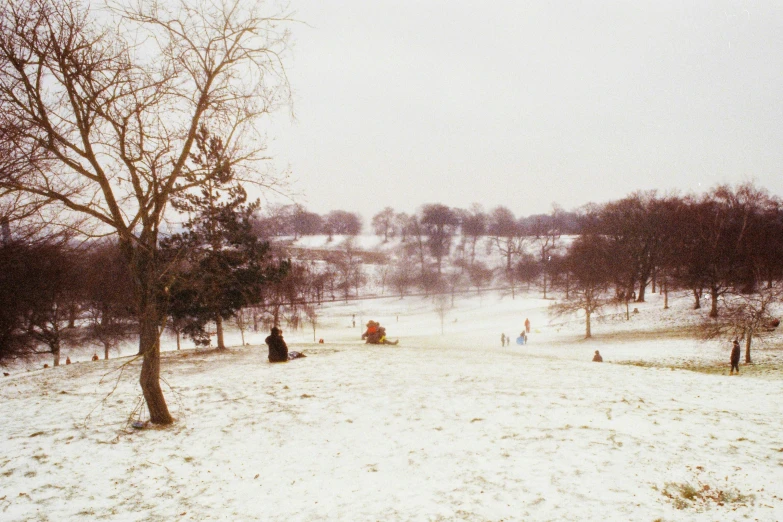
(404, 102)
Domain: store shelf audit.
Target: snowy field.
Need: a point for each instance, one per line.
(445, 426)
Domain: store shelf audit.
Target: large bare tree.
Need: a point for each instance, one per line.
(106, 109)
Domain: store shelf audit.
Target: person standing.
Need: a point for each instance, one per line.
(278, 350)
(527, 325)
(735, 357)
(502, 339)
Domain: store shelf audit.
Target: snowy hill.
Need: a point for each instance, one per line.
(446, 426)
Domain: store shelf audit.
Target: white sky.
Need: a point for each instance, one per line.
(523, 104)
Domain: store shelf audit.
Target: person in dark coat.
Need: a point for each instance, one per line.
(278, 350)
(597, 357)
(735, 357)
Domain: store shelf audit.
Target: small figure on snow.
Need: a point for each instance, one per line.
(376, 334)
(597, 357)
(372, 334)
(278, 350)
(735, 357)
(502, 339)
(527, 325)
(522, 339)
(95, 357)
(67, 360)
(383, 339)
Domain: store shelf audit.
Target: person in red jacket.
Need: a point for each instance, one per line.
(372, 334)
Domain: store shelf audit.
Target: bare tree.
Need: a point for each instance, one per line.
(439, 223)
(508, 237)
(383, 223)
(108, 299)
(587, 260)
(473, 225)
(341, 222)
(108, 109)
(401, 277)
(442, 307)
(242, 319)
(547, 230)
(311, 312)
(746, 316)
(347, 264)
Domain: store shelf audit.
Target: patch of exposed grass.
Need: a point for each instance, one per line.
(686, 495)
(763, 370)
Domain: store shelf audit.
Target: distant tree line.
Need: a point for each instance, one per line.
(725, 248)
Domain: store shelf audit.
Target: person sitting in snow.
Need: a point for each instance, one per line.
(522, 339)
(372, 334)
(597, 357)
(278, 350)
(382, 339)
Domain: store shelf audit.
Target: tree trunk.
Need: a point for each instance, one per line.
(748, 341)
(714, 300)
(149, 345)
(106, 351)
(141, 260)
(642, 288)
(545, 284)
(588, 334)
(511, 280)
(665, 296)
(219, 329)
(56, 353)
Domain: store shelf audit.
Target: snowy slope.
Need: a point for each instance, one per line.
(443, 427)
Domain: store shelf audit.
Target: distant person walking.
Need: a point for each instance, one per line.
(597, 357)
(502, 339)
(735, 357)
(527, 325)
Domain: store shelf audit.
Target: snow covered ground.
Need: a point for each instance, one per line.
(445, 426)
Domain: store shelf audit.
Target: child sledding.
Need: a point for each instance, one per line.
(376, 334)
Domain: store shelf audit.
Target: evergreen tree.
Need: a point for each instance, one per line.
(221, 264)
